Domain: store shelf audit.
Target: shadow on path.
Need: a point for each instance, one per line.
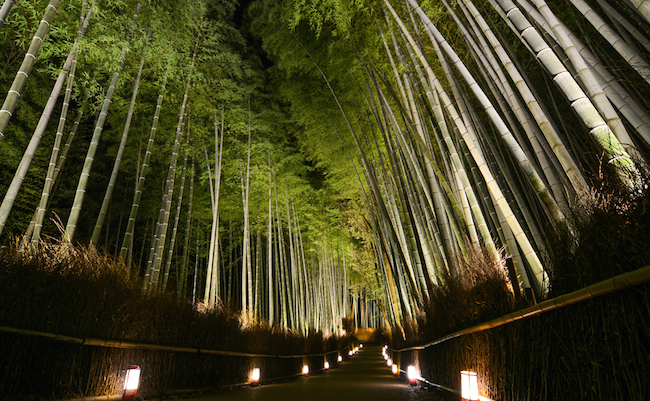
(363, 377)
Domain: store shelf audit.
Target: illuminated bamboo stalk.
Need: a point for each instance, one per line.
(182, 276)
(29, 154)
(179, 203)
(77, 203)
(5, 10)
(152, 272)
(580, 103)
(118, 158)
(589, 81)
(36, 225)
(28, 62)
(633, 58)
(128, 234)
(495, 191)
(522, 160)
(36, 222)
(615, 92)
(247, 280)
(616, 16)
(285, 303)
(536, 121)
(258, 270)
(213, 282)
(271, 298)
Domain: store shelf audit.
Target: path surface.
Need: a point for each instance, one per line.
(363, 377)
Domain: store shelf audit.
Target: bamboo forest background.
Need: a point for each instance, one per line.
(308, 162)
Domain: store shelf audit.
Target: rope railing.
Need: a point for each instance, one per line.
(620, 282)
(133, 345)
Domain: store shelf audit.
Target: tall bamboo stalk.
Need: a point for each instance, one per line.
(77, 203)
(5, 10)
(181, 278)
(135, 206)
(118, 158)
(30, 152)
(28, 62)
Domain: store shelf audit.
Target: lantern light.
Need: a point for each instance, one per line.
(131, 383)
(412, 374)
(395, 370)
(350, 352)
(360, 345)
(255, 377)
(389, 362)
(469, 385)
(340, 358)
(326, 365)
(305, 369)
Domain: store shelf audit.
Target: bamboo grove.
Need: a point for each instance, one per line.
(181, 170)
(479, 126)
(318, 161)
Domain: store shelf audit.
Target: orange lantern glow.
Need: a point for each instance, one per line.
(255, 377)
(469, 385)
(131, 383)
(412, 374)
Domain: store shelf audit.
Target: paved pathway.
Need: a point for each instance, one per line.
(364, 377)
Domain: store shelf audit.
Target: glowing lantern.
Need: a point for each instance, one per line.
(339, 359)
(389, 362)
(326, 365)
(412, 374)
(469, 385)
(305, 370)
(131, 383)
(395, 370)
(350, 352)
(255, 377)
(360, 345)
(356, 349)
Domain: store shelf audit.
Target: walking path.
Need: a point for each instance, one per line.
(363, 377)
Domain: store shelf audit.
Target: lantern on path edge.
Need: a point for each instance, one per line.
(469, 385)
(255, 377)
(412, 374)
(131, 383)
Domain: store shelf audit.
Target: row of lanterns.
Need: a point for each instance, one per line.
(132, 381)
(468, 379)
(255, 376)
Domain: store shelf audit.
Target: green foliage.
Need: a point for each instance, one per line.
(293, 119)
